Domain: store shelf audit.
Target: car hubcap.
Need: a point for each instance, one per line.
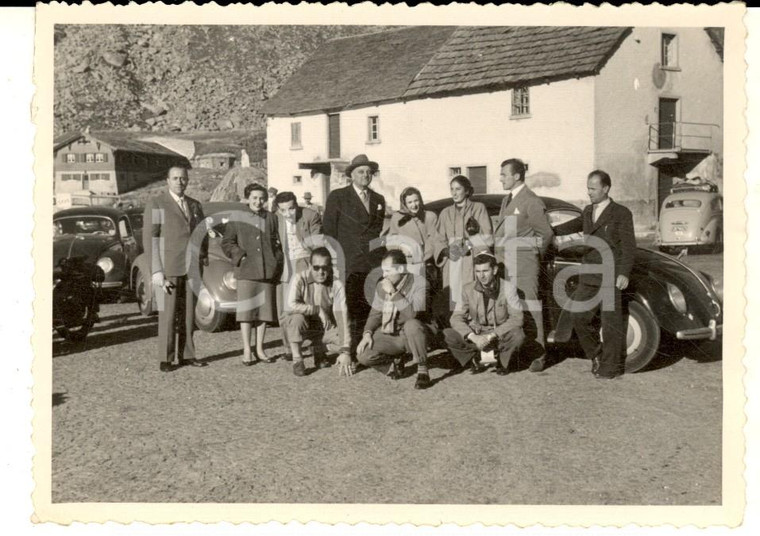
(205, 306)
(634, 335)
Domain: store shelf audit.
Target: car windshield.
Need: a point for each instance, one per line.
(86, 225)
(683, 203)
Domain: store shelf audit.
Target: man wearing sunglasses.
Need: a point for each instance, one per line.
(317, 311)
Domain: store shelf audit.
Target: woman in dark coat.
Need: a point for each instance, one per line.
(253, 245)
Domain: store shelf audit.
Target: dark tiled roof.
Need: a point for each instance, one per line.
(717, 36)
(359, 70)
(121, 141)
(483, 58)
(424, 61)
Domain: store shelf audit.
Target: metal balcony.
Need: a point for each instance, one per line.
(681, 136)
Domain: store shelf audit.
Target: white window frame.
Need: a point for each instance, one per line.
(373, 128)
(297, 179)
(100, 158)
(669, 50)
(71, 158)
(521, 109)
(295, 140)
(89, 158)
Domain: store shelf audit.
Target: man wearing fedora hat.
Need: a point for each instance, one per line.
(308, 204)
(354, 216)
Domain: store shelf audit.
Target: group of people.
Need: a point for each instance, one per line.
(379, 292)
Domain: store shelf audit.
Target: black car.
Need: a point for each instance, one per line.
(664, 295)
(102, 236)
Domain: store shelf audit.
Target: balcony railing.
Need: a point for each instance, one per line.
(682, 136)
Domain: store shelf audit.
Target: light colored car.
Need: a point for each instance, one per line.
(691, 217)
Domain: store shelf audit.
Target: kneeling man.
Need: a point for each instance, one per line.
(394, 326)
(489, 318)
(317, 311)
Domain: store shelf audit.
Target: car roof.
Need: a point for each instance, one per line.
(95, 210)
(692, 194)
(493, 201)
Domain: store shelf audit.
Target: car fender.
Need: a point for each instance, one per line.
(213, 275)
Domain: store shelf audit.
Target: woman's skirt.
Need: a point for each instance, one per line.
(256, 301)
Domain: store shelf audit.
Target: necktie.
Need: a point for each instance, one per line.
(365, 199)
(508, 200)
(183, 206)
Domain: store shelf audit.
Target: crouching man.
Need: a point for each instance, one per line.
(489, 318)
(317, 311)
(394, 326)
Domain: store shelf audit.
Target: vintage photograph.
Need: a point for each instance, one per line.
(390, 263)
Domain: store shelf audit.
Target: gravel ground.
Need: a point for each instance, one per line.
(125, 432)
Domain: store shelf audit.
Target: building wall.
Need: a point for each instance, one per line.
(101, 173)
(422, 139)
(627, 99)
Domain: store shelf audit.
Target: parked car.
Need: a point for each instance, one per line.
(664, 296)
(217, 297)
(103, 236)
(691, 217)
(135, 215)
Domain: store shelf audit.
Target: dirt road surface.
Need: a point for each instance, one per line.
(125, 432)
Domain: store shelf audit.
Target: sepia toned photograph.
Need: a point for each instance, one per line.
(326, 264)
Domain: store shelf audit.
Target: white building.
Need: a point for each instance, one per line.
(426, 103)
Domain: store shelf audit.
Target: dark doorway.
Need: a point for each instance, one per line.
(478, 178)
(333, 135)
(667, 124)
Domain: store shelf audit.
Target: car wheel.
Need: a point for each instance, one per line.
(78, 334)
(144, 294)
(207, 316)
(642, 337)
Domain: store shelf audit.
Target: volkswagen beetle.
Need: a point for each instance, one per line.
(664, 296)
(691, 216)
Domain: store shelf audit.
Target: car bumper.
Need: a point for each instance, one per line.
(711, 332)
(111, 285)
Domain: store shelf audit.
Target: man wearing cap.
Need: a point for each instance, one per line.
(308, 204)
(354, 216)
(272, 191)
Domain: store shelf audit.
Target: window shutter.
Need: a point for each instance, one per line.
(105, 157)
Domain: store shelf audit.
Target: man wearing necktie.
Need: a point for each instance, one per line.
(354, 216)
(170, 221)
(613, 223)
(523, 235)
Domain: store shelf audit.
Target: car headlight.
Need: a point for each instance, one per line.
(677, 298)
(105, 264)
(229, 280)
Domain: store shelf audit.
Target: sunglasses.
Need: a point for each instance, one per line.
(320, 267)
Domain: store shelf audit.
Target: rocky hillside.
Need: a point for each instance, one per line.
(177, 78)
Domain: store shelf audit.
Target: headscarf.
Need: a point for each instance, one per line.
(407, 215)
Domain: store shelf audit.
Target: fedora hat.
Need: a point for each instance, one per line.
(307, 195)
(361, 160)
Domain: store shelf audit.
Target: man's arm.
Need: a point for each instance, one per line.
(627, 243)
(375, 318)
(514, 309)
(331, 215)
(461, 316)
(539, 222)
(297, 298)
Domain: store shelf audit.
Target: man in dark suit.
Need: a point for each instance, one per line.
(612, 224)
(300, 231)
(170, 220)
(353, 216)
(523, 234)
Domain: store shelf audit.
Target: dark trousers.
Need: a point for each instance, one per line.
(412, 338)
(527, 267)
(464, 351)
(176, 320)
(358, 307)
(610, 349)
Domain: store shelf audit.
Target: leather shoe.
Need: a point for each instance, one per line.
(396, 371)
(287, 357)
(165, 367)
(248, 363)
(537, 365)
(192, 363)
(423, 381)
(475, 367)
(606, 376)
(501, 371)
(299, 369)
(321, 362)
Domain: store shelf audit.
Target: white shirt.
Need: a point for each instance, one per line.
(359, 192)
(180, 201)
(295, 247)
(599, 208)
(516, 190)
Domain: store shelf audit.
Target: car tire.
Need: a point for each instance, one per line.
(207, 316)
(78, 334)
(144, 294)
(642, 337)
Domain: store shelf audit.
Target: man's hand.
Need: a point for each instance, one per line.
(345, 366)
(365, 343)
(455, 252)
(622, 282)
(387, 286)
(159, 282)
(324, 317)
(481, 341)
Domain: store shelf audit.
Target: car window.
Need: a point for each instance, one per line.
(560, 216)
(125, 229)
(683, 203)
(717, 204)
(136, 220)
(87, 225)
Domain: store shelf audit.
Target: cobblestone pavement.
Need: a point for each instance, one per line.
(123, 431)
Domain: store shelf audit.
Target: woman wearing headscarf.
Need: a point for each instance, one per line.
(464, 230)
(418, 229)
